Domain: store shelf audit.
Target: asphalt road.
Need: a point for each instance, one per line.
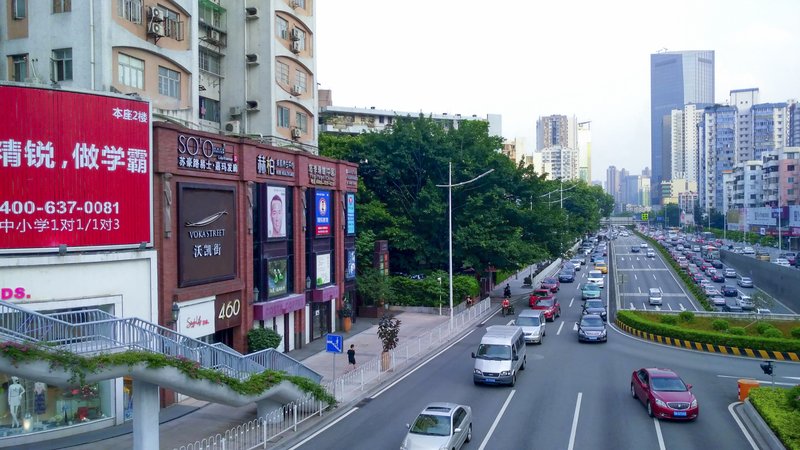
(571, 395)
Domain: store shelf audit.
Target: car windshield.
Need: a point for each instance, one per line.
(595, 274)
(594, 304)
(745, 280)
(592, 287)
(545, 302)
(431, 425)
(494, 351)
(549, 281)
(668, 384)
(528, 322)
(591, 322)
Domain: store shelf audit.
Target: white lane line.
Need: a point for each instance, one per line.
(669, 306)
(570, 302)
(303, 442)
(497, 420)
(777, 383)
(741, 425)
(421, 365)
(654, 277)
(510, 322)
(658, 433)
(633, 307)
(640, 289)
(575, 422)
(635, 277)
(559, 328)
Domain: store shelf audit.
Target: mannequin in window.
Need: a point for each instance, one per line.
(15, 393)
(39, 400)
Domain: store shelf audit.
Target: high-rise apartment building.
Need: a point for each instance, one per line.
(717, 153)
(556, 130)
(676, 79)
(684, 143)
(743, 100)
(585, 151)
(793, 126)
(612, 185)
(769, 128)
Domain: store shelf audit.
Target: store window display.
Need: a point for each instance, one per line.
(30, 406)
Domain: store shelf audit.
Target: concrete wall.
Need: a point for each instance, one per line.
(779, 282)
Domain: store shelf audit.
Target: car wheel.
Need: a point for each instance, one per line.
(469, 433)
(633, 391)
(524, 361)
(649, 409)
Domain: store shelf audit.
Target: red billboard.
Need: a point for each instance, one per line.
(75, 170)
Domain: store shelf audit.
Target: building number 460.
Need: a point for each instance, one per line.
(229, 309)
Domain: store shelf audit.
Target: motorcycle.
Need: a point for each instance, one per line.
(507, 292)
(508, 310)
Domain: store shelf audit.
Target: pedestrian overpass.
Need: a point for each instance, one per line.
(618, 221)
(93, 332)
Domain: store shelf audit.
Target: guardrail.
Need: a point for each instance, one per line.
(94, 331)
(259, 432)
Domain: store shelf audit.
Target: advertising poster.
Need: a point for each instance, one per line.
(197, 320)
(276, 276)
(322, 213)
(323, 269)
(66, 183)
(350, 266)
(351, 213)
(276, 222)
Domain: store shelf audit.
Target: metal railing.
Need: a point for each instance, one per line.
(94, 331)
(258, 433)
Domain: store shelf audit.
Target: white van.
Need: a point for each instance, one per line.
(501, 354)
(532, 322)
(655, 295)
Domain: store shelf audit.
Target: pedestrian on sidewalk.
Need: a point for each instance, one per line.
(351, 357)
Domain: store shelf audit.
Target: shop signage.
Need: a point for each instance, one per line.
(197, 320)
(18, 293)
(351, 178)
(207, 233)
(351, 213)
(200, 153)
(67, 183)
(228, 311)
(321, 175)
(322, 212)
(350, 264)
(277, 277)
(266, 165)
(323, 269)
(794, 215)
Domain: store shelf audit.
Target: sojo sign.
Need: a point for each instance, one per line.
(74, 170)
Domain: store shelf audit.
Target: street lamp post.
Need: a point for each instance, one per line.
(450, 187)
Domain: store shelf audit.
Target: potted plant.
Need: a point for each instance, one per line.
(346, 313)
(389, 334)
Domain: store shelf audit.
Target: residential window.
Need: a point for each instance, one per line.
(20, 9)
(210, 62)
(283, 117)
(130, 10)
(301, 79)
(62, 64)
(790, 192)
(209, 109)
(790, 168)
(282, 28)
(62, 6)
(210, 16)
(173, 27)
(299, 3)
(169, 82)
(301, 35)
(131, 71)
(20, 67)
(283, 73)
(301, 119)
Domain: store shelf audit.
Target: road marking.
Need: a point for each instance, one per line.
(759, 381)
(635, 277)
(559, 328)
(575, 422)
(658, 308)
(658, 433)
(575, 327)
(497, 420)
(669, 306)
(683, 308)
(644, 305)
(421, 365)
(510, 322)
(654, 277)
(640, 289)
(303, 442)
(570, 302)
(633, 307)
(741, 425)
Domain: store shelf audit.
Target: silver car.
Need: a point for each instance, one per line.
(440, 425)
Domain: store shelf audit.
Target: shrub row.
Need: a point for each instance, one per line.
(772, 404)
(429, 292)
(729, 339)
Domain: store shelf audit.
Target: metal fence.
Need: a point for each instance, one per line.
(260, 432)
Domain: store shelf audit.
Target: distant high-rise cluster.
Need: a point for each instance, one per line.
(563, 148)
(631, 192)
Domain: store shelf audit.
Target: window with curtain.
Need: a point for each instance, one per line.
(130, 71)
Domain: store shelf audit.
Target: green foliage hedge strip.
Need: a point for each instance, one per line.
(772, 405)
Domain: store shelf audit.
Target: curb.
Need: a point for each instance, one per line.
(760, 427)
(710, 348)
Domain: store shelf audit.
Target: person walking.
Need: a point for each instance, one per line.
(351, 357)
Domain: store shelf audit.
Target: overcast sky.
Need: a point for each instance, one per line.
(524, 59)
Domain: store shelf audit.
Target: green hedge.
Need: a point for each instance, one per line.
(633, 320)
(784, 421)
(690, 285)
(427, 292)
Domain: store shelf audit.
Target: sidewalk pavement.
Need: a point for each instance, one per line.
(194, 420)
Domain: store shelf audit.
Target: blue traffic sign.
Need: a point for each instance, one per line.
(333, 343)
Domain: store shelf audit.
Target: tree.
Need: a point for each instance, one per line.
(389, 332)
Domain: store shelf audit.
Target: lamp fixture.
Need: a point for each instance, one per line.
(308, 282)
(256, 293)
(176, 312)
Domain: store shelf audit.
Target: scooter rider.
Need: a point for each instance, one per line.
(506, 305)
(507, 291)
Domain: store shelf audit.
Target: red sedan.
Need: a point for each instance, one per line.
(551, 283)
(550, 306)
(664, 394)
(539, 294)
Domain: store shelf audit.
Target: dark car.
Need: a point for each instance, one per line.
(732, 306)
(566, 276)
(595, 307)
(717, 264)
(635, 249)
(592, 328)
(729, 291)
(664, 394)
(551, 283)
(718, 277)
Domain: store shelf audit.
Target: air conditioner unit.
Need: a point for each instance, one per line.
(296, 34)
(296, 46)
(156, 29)
(297, 89)
(252, 105)
(235, 111)
(213, 35)
(295, 4)
(252, 58)
(233, 127)
(155, 14)
(296, 133)
(251, 12)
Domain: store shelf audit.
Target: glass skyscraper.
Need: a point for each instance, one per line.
(676, 79)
